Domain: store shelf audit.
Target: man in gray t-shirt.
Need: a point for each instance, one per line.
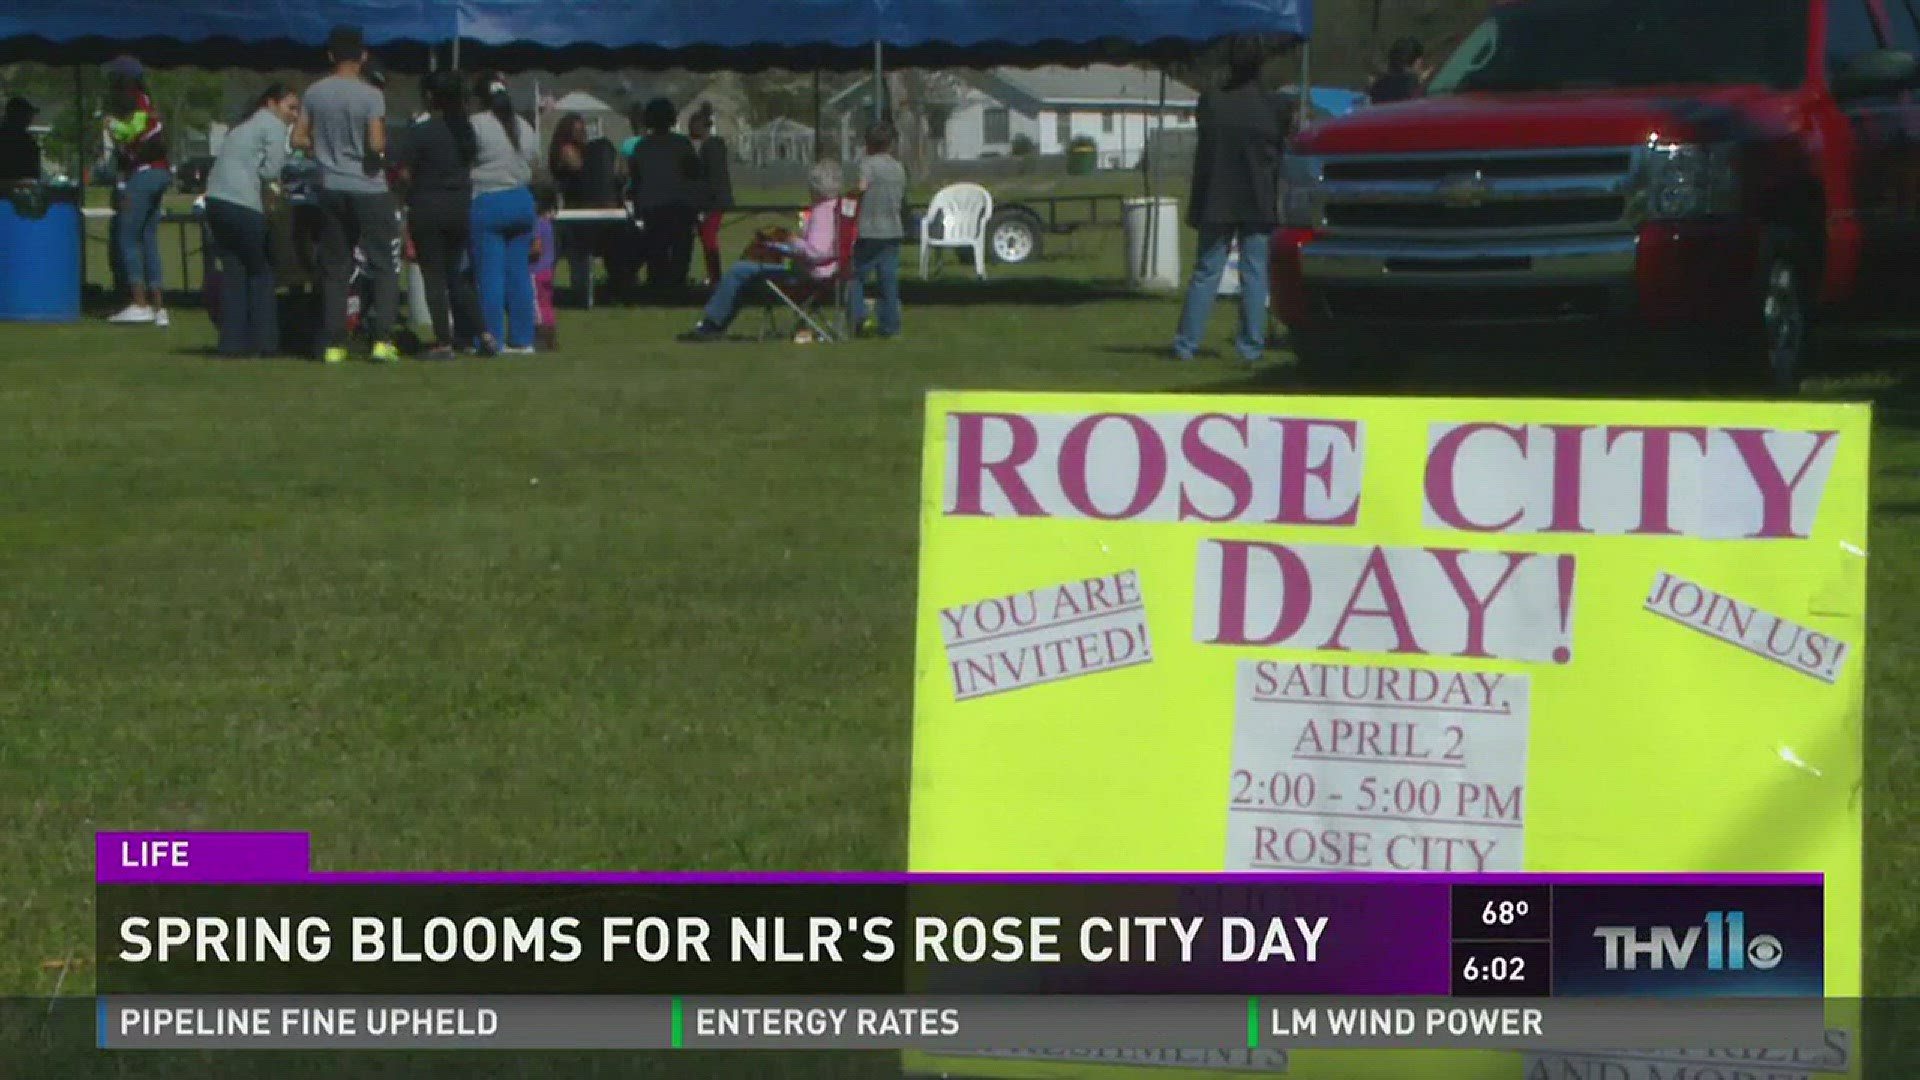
(883, 188)
(343, 125)
(341, 112)
(883, 184)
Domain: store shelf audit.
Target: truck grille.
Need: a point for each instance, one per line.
(1434, 195)
(1438, 167)
(1387, 306)
(1519, 214)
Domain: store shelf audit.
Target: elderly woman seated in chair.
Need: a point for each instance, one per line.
(813, 253)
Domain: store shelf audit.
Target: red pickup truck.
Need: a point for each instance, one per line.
(1709, 175)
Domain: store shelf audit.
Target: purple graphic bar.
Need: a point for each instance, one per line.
(195, 858)
(282, 858)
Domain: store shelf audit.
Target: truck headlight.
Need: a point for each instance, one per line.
(1690, 181)
(1302, 198)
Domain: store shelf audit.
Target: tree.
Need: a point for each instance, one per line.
(921, 102)
(190, 99)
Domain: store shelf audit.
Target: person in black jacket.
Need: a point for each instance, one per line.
(716, 189)
(666, 177)
(1236, 176)
(1406, 74)
(19, 151)
(438, 152)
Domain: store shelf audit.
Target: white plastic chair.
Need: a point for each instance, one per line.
(963, 211)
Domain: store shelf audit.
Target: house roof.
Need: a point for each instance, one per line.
(579, 101)
(780, 125)
(1095, 84)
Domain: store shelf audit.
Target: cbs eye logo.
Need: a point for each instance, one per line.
(1765, 952)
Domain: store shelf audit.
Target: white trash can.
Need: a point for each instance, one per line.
(1153, 243)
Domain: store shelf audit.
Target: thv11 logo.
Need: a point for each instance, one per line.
(1662, 947)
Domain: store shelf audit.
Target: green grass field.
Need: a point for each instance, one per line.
(633, 605)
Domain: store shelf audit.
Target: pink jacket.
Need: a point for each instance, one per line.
(819, 253)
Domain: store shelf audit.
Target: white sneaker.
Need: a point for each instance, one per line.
(520, 350)
(160, 318)
(132, 313)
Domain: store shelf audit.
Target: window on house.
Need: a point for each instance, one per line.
(999, 127)
(1106, 122)
(1064, 127)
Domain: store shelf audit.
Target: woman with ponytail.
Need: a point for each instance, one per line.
(139, 141)
(503, 215)
(253, 154)
(439, 153)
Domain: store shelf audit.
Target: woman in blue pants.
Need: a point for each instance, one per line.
(503, 219)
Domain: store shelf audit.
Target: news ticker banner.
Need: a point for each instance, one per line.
(1392, 635)
(171, 919)
(937, 1023)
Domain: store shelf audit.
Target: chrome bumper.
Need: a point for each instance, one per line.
(1601, 260)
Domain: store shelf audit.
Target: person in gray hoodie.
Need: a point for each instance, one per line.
(252, 155)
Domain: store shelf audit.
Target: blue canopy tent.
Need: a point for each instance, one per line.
(251, 34)
(741, 35)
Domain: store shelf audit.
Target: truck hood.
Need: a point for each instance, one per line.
(1553, 120)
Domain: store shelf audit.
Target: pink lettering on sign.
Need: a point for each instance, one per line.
(1045, 635)
(1212, 467)
(1627, 480)
(1744, 626)
(1400, 601)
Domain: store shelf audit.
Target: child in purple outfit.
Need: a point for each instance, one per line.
(546, 331)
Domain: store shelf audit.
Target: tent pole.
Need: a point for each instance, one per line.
(879, 84)
(1151, 250)
(80, 160)
(1306, 85)
(456, 53)
(816, 114)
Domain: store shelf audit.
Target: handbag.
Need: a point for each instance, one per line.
(763, 247)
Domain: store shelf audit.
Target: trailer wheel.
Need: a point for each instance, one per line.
(1014, 236)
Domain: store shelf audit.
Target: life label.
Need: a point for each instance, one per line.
(1348, 767)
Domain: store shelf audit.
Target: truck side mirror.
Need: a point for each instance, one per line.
(1882, 71)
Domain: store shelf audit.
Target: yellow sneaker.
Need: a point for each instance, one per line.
(335, 356)
(386, 353)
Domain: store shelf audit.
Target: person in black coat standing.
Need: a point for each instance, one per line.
(665, 175)
(1236, 178)
(438, 153)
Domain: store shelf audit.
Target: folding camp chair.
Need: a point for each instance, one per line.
(818, 304)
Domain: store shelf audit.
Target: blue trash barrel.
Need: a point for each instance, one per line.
(40, 232)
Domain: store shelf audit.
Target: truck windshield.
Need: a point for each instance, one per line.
(1598, 44)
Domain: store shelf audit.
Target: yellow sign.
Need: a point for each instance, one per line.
(1632, 633)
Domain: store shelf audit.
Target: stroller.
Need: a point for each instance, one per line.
(294, 225)
(299, 321)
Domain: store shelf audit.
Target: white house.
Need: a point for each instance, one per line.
(603, 120)
(1114, 106)
(780, 141)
